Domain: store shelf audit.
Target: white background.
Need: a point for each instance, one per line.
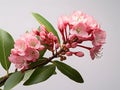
(100, 74)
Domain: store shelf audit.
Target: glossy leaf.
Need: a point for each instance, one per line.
(41, 74)
(27, 74)
(69, 71)
(46, 23)
(6, 44)
(13, 80)
(42, 53)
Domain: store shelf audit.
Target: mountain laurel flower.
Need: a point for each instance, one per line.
(26, 50)
(95, 51)
(99, 37)
(31, 54)
(18, 61)
(62, 23)
(81, 28)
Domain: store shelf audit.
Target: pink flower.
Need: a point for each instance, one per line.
(20, 47)
(31, 54)
(99, 37)
(34, 43)
(26, 50)
(18, 61)
(77, 17)
(95, 51)
(62, 23)
(91, 22)
(80, 30)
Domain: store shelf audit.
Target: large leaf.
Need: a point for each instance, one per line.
(6, 44)
(28, 74)
(41, 74)
(13, 80)
(69, 71)
(46, 23)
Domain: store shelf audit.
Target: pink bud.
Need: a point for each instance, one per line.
(57, 45)
(74, 44)
(41, 47)
(69, 53)
(62, 22)
(79, 54)
(71, 37)
(68, 45)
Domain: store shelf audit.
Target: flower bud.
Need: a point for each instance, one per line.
(74, 44)
(57, 45)
(68, 45)
(69, 53)
(79, 54)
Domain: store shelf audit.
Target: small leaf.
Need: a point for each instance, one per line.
(41, 74)
(46, 23)
(42, 53)
(6, 44)
(69, 71)
(13, 80)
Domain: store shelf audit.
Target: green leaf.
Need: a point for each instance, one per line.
(42, 53)
(69, 71)
(46, 23)
(28, 74)
(34, 64)
(41, 74)
(13, 80)
(6, 44)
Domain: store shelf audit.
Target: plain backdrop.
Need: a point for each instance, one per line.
(100, 74)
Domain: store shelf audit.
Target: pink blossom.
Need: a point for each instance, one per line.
(33, 42)
(62, 23)
(80, 30)
(31, 54)
(77, 17)
(20, 47)
(18, 61)
(99, 37)
(26, 50)
(95, 51)
(91, 22)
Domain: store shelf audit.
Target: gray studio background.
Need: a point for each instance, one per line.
(100, 74)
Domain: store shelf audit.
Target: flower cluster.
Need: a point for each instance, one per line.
(75, 29)
(78, 28)
(27, 47)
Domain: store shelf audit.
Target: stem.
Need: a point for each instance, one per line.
(7, 72)
(88, 48)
